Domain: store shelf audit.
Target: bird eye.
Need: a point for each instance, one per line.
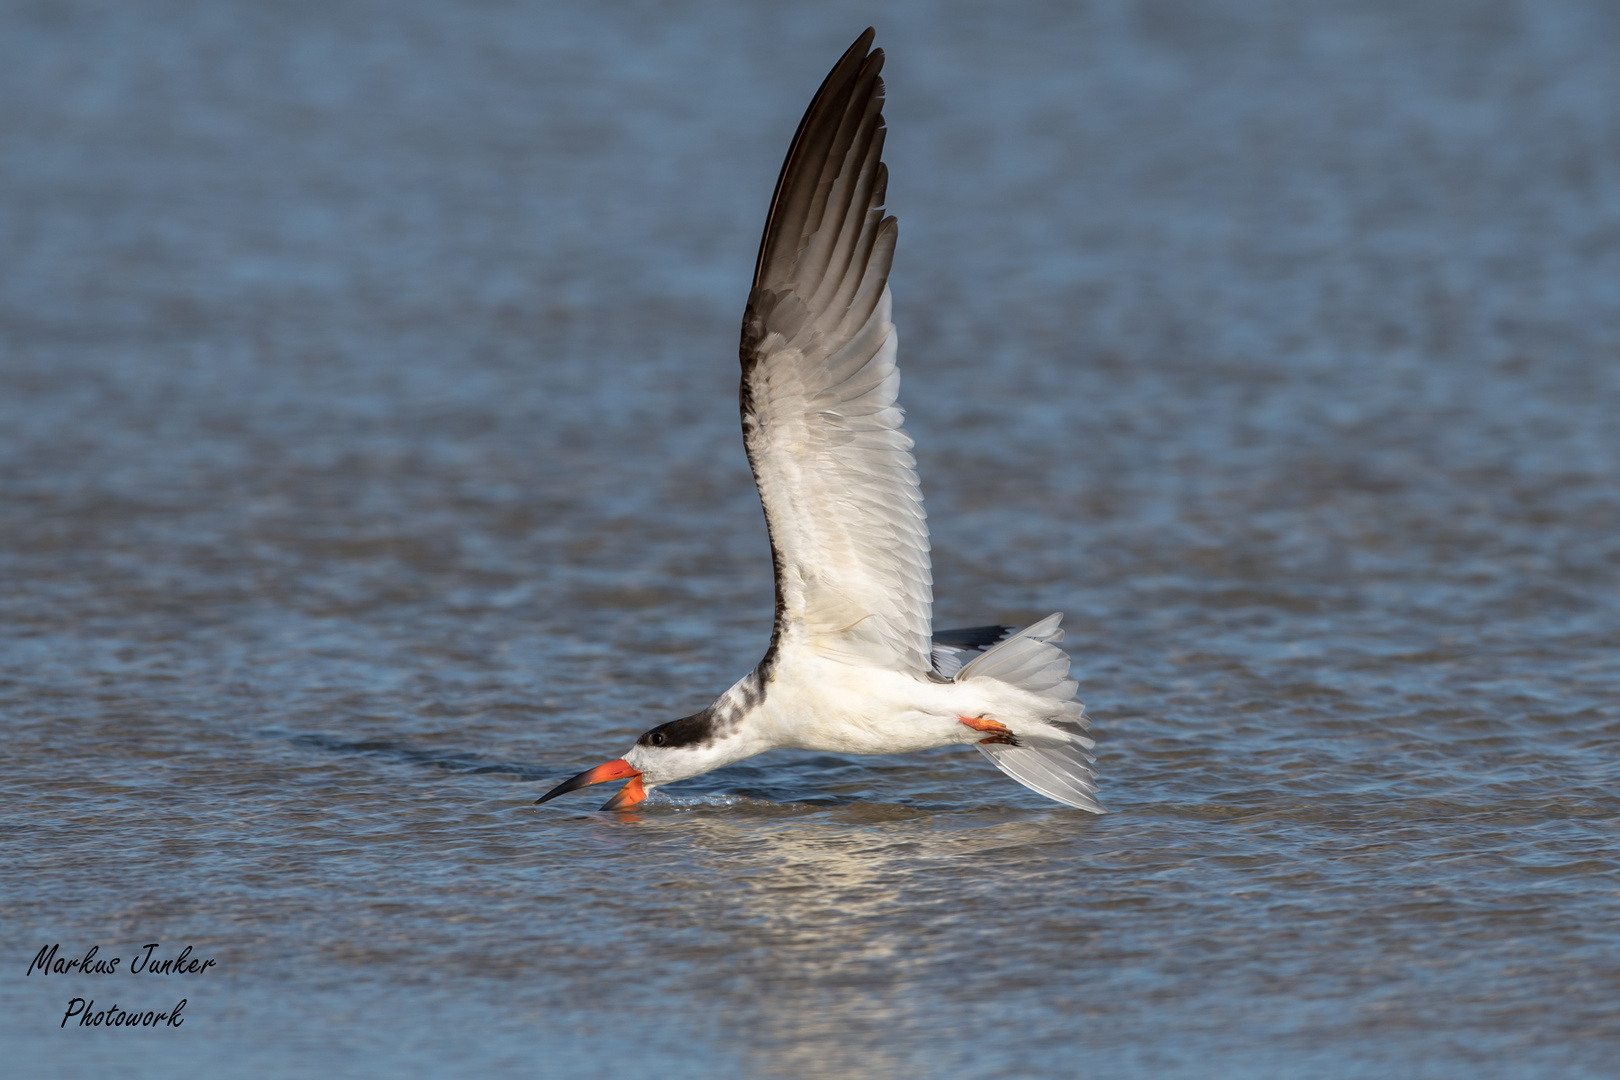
(656, 738)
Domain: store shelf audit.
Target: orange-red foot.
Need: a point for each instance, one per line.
(995, 729)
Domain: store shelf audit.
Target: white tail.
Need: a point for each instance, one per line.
(1032, 661)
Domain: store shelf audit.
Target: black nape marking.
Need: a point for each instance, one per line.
(748, 694)
(695, 730)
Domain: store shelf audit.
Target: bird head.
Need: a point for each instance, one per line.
(669, 752)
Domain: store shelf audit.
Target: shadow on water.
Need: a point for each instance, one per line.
(782, 785)
(402, 752)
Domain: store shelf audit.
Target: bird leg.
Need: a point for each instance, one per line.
(997, 731)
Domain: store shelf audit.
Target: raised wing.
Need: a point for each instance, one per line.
(819, 383)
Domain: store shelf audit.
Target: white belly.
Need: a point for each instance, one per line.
(818, 704)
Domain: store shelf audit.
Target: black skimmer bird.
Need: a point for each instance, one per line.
(853, 665)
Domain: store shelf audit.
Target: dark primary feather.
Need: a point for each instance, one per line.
(813, 157)
(951, 649)
(817, 260)
(976, 638)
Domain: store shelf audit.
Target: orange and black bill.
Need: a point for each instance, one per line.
(628, 796)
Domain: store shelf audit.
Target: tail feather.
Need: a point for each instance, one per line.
(1032, 661)
(1059, 772)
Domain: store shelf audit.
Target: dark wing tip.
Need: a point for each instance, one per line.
(859, 61)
